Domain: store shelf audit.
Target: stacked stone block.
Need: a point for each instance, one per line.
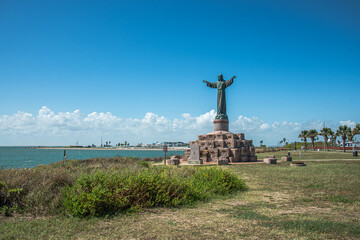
(224, 147)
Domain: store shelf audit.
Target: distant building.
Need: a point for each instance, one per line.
(351, 144)
(176, 144)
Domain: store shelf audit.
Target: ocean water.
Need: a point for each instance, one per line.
(21, 157)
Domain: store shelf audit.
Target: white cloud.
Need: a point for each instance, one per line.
(254, 124)
(19, 122)
(204, 120)
(50, 128)
(348, 123)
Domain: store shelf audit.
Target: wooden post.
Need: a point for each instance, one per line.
(64, 157)
(165, 150)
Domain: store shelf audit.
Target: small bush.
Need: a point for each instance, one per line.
(110, 192)
(144, 164)
(10, 199)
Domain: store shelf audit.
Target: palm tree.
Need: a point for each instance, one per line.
(333, 137)
(284, 141)
(350, 134)
(342, 132)
(312, 134)
(303, 136)
(326, 132)
(356, 129)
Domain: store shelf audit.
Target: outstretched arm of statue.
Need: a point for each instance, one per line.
(211, 84)
(230, 81)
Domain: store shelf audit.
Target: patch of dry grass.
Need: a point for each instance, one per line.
(319, 201)
(41, 186)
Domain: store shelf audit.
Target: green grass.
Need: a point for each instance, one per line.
(319, 201)
(310, 155)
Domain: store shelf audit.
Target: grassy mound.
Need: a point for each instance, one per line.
(99, 187)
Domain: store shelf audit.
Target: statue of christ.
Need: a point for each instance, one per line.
(221, 85)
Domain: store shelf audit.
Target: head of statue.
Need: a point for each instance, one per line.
(220, 77)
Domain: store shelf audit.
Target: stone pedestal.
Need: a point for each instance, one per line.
(221, 125)
(221, 148)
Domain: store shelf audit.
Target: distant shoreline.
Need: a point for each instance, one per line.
(131, 149)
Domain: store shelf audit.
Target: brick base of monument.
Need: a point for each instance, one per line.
(223, 147)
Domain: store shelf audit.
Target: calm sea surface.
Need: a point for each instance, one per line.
(20, 157)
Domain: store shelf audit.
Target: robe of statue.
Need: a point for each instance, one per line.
(221, 100)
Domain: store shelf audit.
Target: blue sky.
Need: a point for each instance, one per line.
(140, 65)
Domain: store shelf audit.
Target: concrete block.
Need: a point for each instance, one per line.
(223, 161)
(195, 162)
(174, 161)
(253, 159)
(270, 160)
(220, 143)
(231, 143)
(220, 136)
(241, 136)
(210, 137)
(201, 137)
(235, 152)
(286, 159)
(244, 158)
(224, 153)
(214, 152)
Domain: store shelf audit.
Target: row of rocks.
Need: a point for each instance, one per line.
(272, 160)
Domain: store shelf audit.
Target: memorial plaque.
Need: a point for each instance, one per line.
(195, 154)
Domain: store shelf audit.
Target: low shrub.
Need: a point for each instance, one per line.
(42, 186)
(144, 164)
(104, 193)
(153, 159)
(10, 199)
(105, 186)
(38, 190)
